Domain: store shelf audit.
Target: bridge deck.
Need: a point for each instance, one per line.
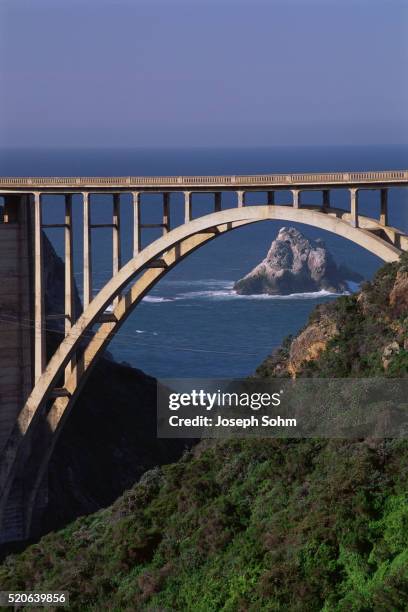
(206, 183)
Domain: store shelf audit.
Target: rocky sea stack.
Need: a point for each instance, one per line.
(296, 264)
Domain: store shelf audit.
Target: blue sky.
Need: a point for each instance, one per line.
(129, 73)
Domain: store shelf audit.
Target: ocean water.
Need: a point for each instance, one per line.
(192, 324)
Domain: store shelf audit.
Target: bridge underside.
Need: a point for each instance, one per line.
(59, 383)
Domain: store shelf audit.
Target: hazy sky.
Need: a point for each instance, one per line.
(203, 72)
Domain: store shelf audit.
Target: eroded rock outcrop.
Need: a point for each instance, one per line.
(311, 342)
(296, 264)
(399, 294)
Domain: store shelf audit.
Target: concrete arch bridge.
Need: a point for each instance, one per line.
(36, 397)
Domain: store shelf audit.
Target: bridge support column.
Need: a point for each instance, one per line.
(326, 198)
(17, 266)
(166, 213)
(69, 274)
(271, 198)
(16, 308)
(87, 250)
(217, 201)
(384, 207)
(39, 317)
(296, 198)
(240, 198)
(116, 248)
(136, 222)
(354, 207)
(187, 206)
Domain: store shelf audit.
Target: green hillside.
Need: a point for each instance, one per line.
(258, 524)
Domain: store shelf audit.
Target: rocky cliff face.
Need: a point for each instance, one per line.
(295, 264)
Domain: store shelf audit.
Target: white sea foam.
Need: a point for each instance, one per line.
(230, 294)
(215, 289)
(157, 299)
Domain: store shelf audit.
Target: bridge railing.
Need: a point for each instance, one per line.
(184, 182)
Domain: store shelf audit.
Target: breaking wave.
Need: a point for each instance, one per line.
(157, 299)
(214, 289)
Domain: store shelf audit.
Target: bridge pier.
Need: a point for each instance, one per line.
(295, 198)
(16, 340)
(271, 198)
(217, 201)
(69, 275)
(187, 206)
(326, 198)
(166, 212)
(116, 249)
(354, 206)
(39, 314)
(116, 244)
(136, 222)
(384, 206)
(240, 199)
(87, 241)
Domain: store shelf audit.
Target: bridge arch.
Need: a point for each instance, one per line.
(152, 263)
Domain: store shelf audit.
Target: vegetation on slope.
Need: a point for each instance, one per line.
(258, 524)
(242, 525)
(365, 334)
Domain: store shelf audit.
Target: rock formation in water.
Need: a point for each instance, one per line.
(296, 264)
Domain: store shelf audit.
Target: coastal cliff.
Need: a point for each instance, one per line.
(365, 334)
(259, 524)
(296, 264)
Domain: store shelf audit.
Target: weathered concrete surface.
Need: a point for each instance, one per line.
(15, 337)
(15, 341)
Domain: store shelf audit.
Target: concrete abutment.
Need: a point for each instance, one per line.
(16, 315)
